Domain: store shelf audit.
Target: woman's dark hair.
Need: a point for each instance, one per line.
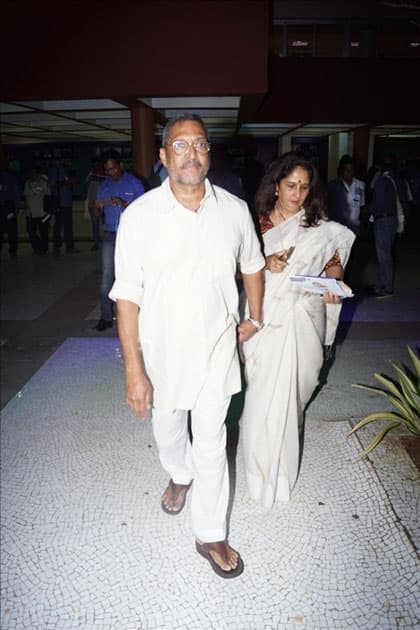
(265, 199)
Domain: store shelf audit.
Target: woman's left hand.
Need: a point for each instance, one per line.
(246, 330)
(331, 298)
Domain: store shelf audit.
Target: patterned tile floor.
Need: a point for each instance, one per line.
(86, 545)
(84, 542)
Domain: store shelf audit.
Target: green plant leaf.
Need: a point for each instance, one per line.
(404, 395)
(388, 383)
(370, 388)
(378, 438)
(409, 424)
(416, 402)
(415, 430)
(416, 361)
(403, 407)
(406, 381)
(380, 415)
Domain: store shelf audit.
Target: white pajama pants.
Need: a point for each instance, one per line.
(204, 462)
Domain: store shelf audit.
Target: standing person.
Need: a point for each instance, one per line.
(61, 186)
(114, 194)
(95, 177)
(283, 361)
(158, 174)
(176, 258)
(37, 221)
(221, 172)
(346, 196)
(10, 202)
(388, 217)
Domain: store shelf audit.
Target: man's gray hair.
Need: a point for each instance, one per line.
(182, 118)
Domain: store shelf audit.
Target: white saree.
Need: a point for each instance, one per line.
(283, 360)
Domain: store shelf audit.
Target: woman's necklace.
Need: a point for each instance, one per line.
(280, 213)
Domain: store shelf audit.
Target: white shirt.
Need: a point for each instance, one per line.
(179, 267)
(34, 191)
(355, 199)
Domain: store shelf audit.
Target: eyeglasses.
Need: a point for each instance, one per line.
(181, 147)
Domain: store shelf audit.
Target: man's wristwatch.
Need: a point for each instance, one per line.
(258, 325)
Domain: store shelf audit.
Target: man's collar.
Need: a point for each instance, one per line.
(173, 201)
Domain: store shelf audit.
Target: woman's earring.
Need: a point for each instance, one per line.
(276, 193)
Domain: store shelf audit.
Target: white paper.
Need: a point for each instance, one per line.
(317, 284)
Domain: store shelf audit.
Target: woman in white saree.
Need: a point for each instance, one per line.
(283, 360)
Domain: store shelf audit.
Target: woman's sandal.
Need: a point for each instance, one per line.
(232, 573)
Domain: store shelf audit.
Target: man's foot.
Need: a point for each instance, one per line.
(382, 293)
(56, 251)
(224, 560)
(102, 324)
(173, 499)
(72, 250)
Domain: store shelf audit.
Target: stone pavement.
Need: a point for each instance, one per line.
(84, 541)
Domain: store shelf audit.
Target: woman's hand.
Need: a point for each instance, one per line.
(331, 298)
(246, 330)
(277, 262)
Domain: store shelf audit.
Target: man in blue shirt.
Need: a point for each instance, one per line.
(114, 194)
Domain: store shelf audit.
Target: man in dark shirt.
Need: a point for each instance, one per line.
(60, 183)
(388, 219)
(10, 201)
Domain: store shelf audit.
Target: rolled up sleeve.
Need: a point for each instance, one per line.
(251, 259)
(128, 284)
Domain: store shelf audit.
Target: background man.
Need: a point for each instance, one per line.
(37, 221)
(388, 216)
(10, 202)
(60, 179)
(95, 177)
(114, 194)
(176, 258)
(346, 196)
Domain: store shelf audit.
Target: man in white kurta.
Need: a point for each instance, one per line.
(178, 249)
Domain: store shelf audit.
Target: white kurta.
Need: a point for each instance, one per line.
(179, 267)
(284, 359)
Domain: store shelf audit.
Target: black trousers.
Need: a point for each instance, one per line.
(63, 226)
(10, 226)
(38, 233)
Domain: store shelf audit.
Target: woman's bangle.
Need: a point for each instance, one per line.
(258, 325)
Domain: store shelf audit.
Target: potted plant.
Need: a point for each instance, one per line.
(404, 394)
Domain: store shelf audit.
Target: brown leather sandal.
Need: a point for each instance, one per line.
(204, 551)
(172, 486)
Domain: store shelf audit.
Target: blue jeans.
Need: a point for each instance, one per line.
(63, 222)
(384, 230)
(95, 222)
(108, 275)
